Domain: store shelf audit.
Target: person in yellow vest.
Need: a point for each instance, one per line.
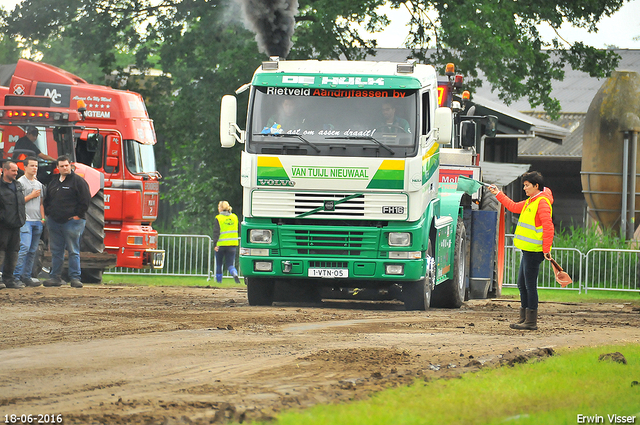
(534, 237)
(225, 240)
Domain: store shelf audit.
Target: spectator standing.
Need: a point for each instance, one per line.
(65, 206)
(225, 240)
(533, 236)
(12, 218)
(32, 229)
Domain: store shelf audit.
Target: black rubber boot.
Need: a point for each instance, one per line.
(522, 315)
(530, 322)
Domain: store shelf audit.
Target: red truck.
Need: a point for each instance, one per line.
(109, 136)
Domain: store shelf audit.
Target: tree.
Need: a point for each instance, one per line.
(500, 39)
(205, 52)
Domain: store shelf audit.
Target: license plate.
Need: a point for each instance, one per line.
(330, 273)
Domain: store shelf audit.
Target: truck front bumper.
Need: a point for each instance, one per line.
(333, 269)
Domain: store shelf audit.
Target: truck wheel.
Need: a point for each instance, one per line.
(450, 294)
(259, 290)
(417, 295)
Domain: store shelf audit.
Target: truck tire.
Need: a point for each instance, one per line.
(417, 295)
(93, 236)
(451, 293)
(259, 290)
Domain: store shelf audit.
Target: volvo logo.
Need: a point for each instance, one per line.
(329, 205)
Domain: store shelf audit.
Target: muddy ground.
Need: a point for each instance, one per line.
(117, 355)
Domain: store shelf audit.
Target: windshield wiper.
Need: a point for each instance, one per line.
(377, 142)
(291, 135)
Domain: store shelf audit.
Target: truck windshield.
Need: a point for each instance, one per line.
(139, 158)
(336, 122)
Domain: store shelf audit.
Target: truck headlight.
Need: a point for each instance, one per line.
(415, 255)
(399, 239)
(394, 269)
(260, 236)
(263, 266)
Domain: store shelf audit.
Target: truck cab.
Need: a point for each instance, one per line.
(105, 131)
(340, 183)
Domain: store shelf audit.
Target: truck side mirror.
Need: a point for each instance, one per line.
(112, 162)
(228, 126)
(491, 126)
(468, 134)
(443, 123)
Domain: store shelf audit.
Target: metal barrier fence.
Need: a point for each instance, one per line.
(612, 269)
(599, 268)
(185, 255)
(605, 269)
(570, 259)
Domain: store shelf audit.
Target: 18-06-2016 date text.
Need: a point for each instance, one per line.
(33, 419)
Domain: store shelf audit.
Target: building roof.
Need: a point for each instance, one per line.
(577, 89)
(510, 121)
(570, 149)
(575, 92)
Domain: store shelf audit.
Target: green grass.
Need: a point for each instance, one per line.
(592, 296)
(160, 280)
(553, 391)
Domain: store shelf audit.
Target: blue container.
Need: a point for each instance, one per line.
(483, 250)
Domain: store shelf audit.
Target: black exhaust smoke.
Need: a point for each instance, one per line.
(273, 22)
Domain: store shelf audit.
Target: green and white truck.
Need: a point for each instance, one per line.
(341, 190)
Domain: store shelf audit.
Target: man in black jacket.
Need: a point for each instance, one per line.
(12, 217)
(65, 206)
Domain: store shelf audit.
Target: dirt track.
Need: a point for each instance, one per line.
(105, 354)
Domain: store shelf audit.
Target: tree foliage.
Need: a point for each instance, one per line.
(205, 52)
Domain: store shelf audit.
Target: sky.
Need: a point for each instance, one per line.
(618, 30)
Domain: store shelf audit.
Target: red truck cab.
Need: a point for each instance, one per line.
(110, 133)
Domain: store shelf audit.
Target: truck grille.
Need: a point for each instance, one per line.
(309, 205)
(329, 264)
(328, 242)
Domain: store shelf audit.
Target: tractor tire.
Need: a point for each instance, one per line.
(260, 290)
(417, 295)
(93, 236)
(451, 293)
(490, 203)
(38, 261)
(91, 275)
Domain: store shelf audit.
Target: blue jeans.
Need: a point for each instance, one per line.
(67, 236)
(29, 239)
(225, 255)
(528, 279)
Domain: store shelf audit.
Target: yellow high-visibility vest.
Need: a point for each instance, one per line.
(228, 229)
(528, 237)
